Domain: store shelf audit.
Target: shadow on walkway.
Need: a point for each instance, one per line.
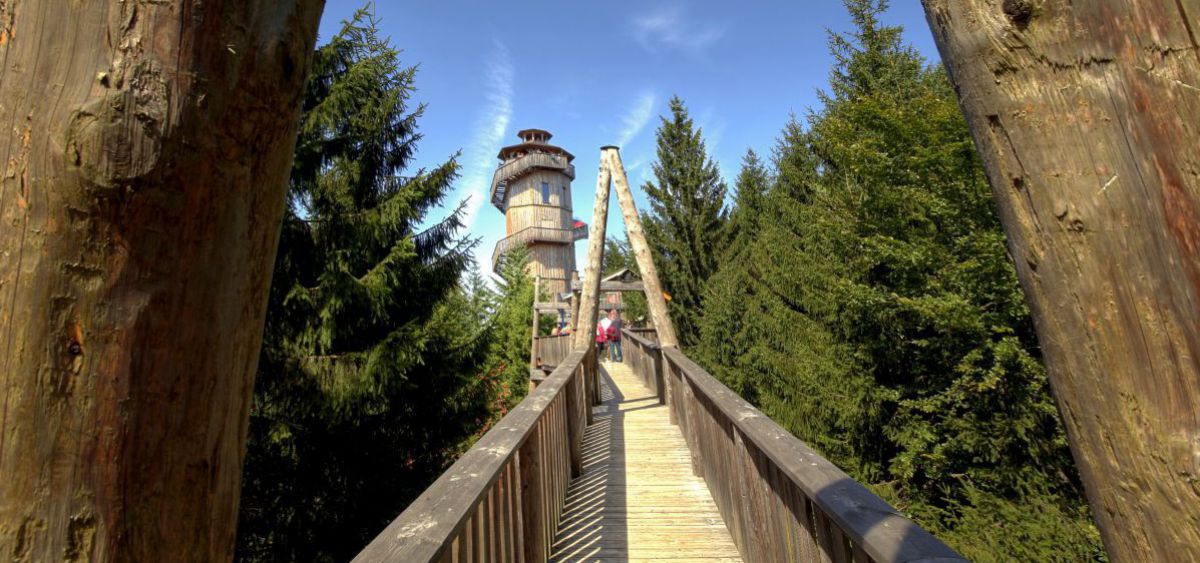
(592, 518)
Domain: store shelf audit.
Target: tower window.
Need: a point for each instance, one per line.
(545, 192)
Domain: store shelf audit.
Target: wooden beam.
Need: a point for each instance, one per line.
(622, 287)
(585, 331)
(610, 159)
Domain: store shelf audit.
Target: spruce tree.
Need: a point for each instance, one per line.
(366, 385)
(686, 225)
(746, 215)
(879, 317)
(724, 334)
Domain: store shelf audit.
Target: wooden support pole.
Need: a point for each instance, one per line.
(585, 331)
(610, 158)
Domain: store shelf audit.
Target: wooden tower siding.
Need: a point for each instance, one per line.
(542, 225)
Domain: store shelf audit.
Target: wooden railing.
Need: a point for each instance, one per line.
(552, 349)
(521, 165)
(529, 235)
(780, 499)
(501, 501)
(645, 358)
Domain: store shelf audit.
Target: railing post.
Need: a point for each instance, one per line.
(588, 369)
(693, 432)
(531, 499)
(660, 379)
(671, 390)
(575, 420)
(595, 382)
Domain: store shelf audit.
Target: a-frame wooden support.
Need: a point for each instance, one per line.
(613, 171)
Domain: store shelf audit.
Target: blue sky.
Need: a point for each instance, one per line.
(599, 73)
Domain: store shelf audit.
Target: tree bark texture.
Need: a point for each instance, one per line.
(145, 152)
(655, 301)
(589, 298)
(1087, 116)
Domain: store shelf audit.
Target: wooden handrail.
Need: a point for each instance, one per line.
(780, 499)
(639, 335)
(502, 499)
(530, 235)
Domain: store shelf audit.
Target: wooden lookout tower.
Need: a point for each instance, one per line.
(532, 187)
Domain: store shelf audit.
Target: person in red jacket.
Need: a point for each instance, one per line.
(613, 335)
(601, 338)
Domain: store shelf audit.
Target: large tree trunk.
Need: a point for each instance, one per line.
(1086, 114)
(145, 152)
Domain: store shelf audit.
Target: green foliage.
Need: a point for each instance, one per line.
(745, 219)
(686, 225)
(366, 385)
(511, 329)
(876, 315)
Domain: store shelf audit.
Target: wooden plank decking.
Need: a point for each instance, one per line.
(637, 499)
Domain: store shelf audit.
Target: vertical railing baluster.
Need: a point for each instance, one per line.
(520, 482)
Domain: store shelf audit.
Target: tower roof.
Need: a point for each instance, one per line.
(534, 135)
(533, 140)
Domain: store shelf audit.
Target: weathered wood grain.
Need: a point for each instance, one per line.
(611, 159)
(145, 153)
(1085, 115)
(585, 329)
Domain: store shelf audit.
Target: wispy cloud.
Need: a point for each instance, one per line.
(489, 131)
(636, 118)
(480, 156)
(669, 27)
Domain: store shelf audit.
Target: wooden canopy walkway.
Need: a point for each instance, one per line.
(637, 499)
(557, 480)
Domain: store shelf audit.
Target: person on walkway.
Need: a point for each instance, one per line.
(615, 354)
(601, 338)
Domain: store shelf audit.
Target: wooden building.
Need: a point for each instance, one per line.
(532, 187)
(610, 300)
